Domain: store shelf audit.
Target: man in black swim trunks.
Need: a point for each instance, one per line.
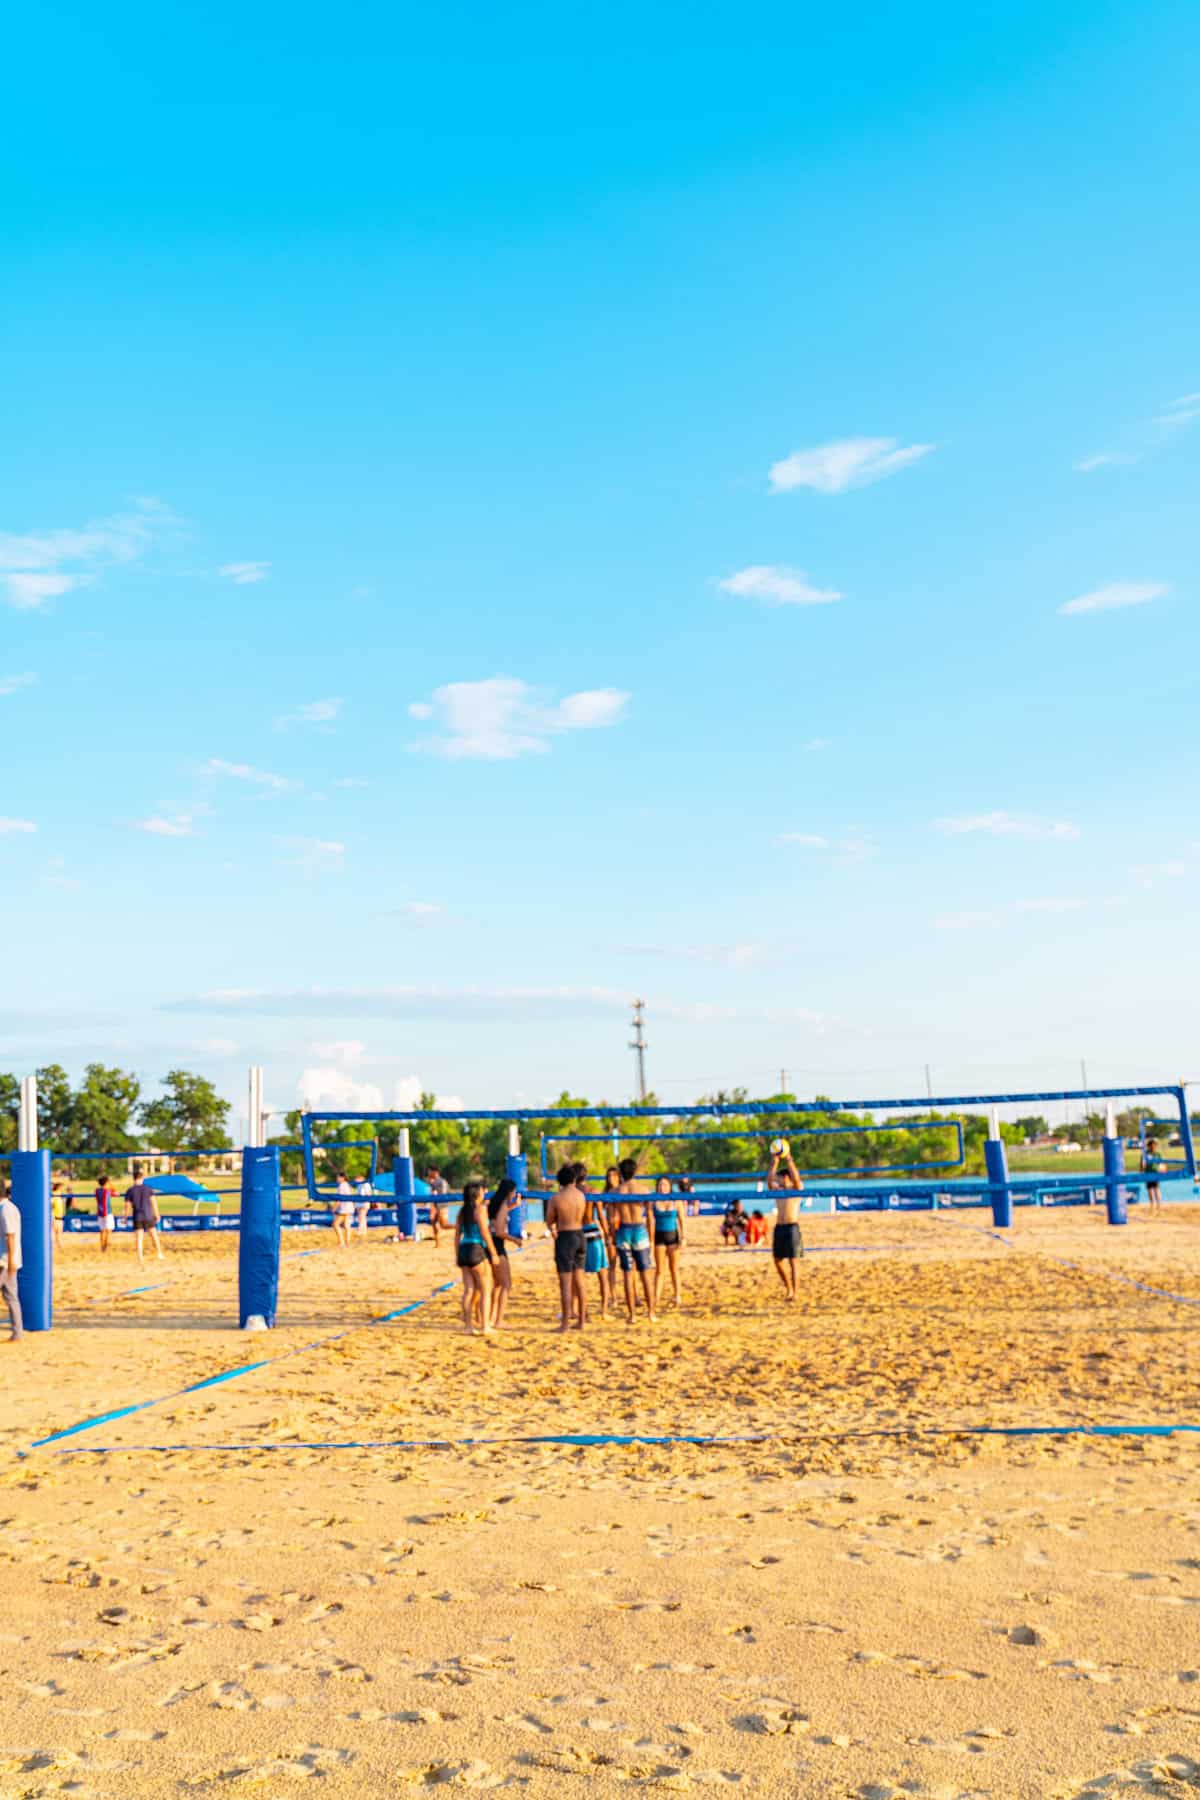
(786, 1246)
(565, 1216)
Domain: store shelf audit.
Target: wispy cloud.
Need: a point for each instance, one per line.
(1007, 825)
(339, 1050)
(1052, 903)
(421, 912)
(965, 921)
(807, 840)
(350, 781)
(502, 718)
(778, 586)
(177, 825)
(12, 684)
(730, 956)
(1105, 459)
(979, 921)
(1179, 412)
(850, 848)
(8, 826)
(848, 463)
(242, 574)
(1117, 594)
(1150, 873)
(314, 852)
(217, 765)
(315, 712)
(37, 567)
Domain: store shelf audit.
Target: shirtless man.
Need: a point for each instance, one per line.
(786, 1246)
(632, 1223)
(565, 1215)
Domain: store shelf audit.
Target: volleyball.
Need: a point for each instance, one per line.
(779, 1146)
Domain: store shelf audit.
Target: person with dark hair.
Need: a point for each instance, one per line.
(633, 1234)
(343, 1211)
(1152, 1165)
(686, 1187)
(106, 1209)
(668, 1237)
(438, 1187)
(597, 1249)
(475, 1254)
(786, 1244)
(499, 1207)
(10, 1262)
(564, 1217)
(141, 1201)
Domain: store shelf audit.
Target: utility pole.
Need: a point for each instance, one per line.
(1083, 1103)
(638, 1043)
(783, 1082)
(928, 1083)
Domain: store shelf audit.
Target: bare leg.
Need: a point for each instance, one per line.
(627, 1277)
(153, 1235)
(468, 1298)
(673, 1265)
(781, 1271)
(139, 1234)
(483, 1287)
(648, 1288)
(579, 1296)
(564, 1300)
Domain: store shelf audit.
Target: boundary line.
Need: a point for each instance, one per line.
(1079, 1268)
(590, 1440)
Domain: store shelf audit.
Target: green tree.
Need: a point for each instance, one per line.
(10, 1103)
(190, 1116)
(1033, 1125)
(103, 1108)
(55, 1108)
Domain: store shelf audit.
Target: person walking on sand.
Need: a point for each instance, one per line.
(499, 1207)
(438, 1187)
(598, 1257)
(668, 1237)
(786, 1245)
(10, 1263)
(633, 1235)
(475, 1254)
(142, 1202)
(106, 1210)
(58, 1212)
(564, 1219)
(343, 1213)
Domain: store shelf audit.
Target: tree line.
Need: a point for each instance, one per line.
(107, 1111)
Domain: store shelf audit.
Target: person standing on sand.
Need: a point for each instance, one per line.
(564, 1219)
(633, 1235)
(668, 1237)
(475, 1254)
(597, 1250)
(343, 1213)
(499, 1207)
(786, 1245)
(362, 1205)
(1151, 1165)
(10, 1263)
(106, 1210)
(438, 1187)
(142, 1202)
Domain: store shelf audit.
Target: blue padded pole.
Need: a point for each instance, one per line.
(516, 1167)
(258, 1242)
(31, 1197)
(1185, 1132)
(404, 1187)
(1114, 1168)
(996, 1161)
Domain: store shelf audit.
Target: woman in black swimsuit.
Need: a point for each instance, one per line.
(499, 1207)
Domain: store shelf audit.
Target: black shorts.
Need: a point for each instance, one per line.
(471, 1255)
(501, 1248)
(568, 1251)
(785, 1244)
(669, 1238)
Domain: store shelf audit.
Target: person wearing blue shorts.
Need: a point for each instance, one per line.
(596, 1260)
(633, 1235)
(668, 1237)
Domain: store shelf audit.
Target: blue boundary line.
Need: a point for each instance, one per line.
(1078, 1268)
(156, 1287)
(590, 1440)
(196, 1387)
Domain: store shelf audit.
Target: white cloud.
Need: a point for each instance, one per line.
(216, 765)
(1180, 412)
(1116, 594)
(1006, 824)
(242, 574)
(965, 921)
(217, 1046)
(1104, 459)
(777, 585)
(1051, 903)
(350, 781)
(315, 712)
(340, 1050)
(11, 684)
(315, 853)
(731, 956)
(807, 840)
(178, 825)
(502, 718)
(39, 566)
(848, 849)
(327, 1089)
(15, 825)
(421, 912)
(848, 463)
(1149, 873)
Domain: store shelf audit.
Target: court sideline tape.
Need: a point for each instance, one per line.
(1049, 1256)
(590, 1440)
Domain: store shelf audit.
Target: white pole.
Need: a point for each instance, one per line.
(1110, 1119)
(994, 1123)
(514, 1140)
(27, 1117)
(403, 1147)
(254, 1110)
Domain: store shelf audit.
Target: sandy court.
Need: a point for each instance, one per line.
(846, 1607)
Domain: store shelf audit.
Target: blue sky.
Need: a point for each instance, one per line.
(506, 510)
